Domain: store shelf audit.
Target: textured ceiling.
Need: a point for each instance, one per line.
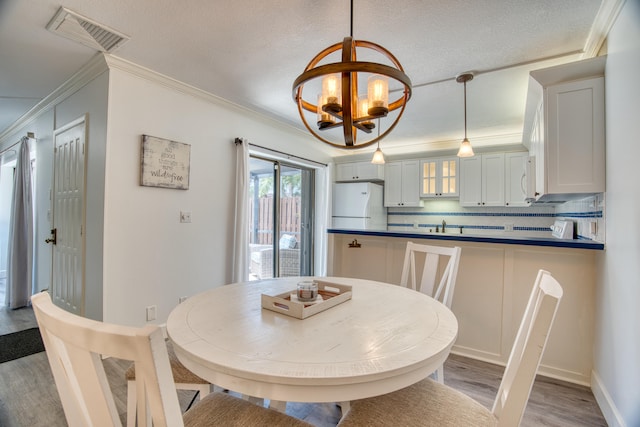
(249, 52)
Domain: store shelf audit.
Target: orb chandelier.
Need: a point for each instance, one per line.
(339, 104)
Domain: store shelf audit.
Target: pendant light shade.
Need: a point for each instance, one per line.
(465, 147)
(378, 157)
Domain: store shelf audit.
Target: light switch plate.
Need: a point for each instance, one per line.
(185, 217)
(151, 312)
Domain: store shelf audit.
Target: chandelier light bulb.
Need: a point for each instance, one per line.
(331, 92)
(378, 93)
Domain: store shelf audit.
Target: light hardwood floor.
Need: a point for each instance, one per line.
(28, 396)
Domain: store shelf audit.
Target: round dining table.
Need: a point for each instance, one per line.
(384, 338)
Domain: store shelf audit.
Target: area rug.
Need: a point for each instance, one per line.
(20, 344)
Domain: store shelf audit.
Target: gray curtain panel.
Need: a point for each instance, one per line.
(20, 253)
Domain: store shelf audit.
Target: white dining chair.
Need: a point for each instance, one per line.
(436, 281)
(428, 403)
(183, 378)
(75, 347)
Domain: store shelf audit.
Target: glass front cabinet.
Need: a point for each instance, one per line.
(439, 177)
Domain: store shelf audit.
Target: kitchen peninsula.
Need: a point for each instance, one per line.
(492, 288)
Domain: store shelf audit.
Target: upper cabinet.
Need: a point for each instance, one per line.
(439, 177)
(564, 129)
(515, 179)
(402, 184)
(359, 171)
(482, 180)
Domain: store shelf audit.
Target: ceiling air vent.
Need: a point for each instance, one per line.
(86, 31)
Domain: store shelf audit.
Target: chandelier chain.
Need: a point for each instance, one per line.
(351, 15)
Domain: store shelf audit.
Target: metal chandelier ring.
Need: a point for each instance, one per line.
(349, 68)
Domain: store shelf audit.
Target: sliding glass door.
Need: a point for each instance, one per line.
(280, 200)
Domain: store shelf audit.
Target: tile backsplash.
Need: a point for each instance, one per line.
(588, 215)
(532, 221)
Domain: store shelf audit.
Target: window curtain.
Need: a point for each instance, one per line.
(20, 252)
(323, 218)
(241, 229)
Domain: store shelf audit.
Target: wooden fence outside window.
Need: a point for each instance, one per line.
(262, 226)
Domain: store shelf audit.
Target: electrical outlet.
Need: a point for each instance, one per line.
(182, 299)
(151, 312)
(508, 226)
(185, 217)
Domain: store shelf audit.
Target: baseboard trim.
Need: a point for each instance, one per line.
(544, 370)
(483, 356)
(607, 406)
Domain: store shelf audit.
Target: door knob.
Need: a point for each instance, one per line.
(54, 236)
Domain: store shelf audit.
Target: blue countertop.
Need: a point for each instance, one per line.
(530, 241)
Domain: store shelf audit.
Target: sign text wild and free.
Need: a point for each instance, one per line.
(165, 163)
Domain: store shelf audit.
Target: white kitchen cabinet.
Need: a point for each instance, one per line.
(362, 257)
(482, 180)
(439, 177)
(515, 192)
(492, 289)
(359, 171)
(565, 130)
(402, 184)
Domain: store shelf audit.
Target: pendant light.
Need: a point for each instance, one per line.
(465, 147)
(378, 156)
(339, 105)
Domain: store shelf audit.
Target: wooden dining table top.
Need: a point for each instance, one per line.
(384, 338)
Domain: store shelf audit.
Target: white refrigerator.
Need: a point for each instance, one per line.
(358, 206)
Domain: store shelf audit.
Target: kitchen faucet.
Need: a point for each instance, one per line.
(444, 224)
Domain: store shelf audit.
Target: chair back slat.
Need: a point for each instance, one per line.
(527, 350)
(75, 347)
(426, 282)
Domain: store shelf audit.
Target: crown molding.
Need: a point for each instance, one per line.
(115, 62)
(92, 69)
(606, 16)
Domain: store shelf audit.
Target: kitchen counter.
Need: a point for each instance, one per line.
(493, 285)
(516, 240)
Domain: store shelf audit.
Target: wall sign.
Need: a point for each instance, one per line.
(164, 163)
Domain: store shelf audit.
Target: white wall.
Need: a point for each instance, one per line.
(150, 258)
(616, 376)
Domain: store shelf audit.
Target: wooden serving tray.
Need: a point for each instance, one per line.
(332, 295)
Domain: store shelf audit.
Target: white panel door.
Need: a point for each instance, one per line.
(68, 212)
